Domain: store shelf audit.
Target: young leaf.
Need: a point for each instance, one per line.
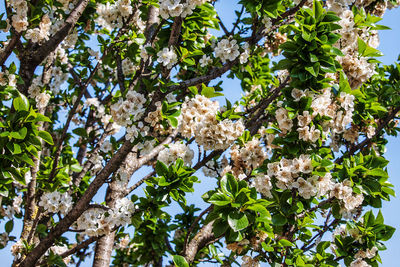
(237, 220)
(179, 261)
(46, 137)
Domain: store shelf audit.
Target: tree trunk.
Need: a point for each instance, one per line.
(104, 248)
(105, 245)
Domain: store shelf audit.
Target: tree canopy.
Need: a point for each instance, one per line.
(122, 101)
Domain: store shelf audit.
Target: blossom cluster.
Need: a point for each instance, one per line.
(248, 157)
(216, 169)
(287, 173)
(199, 119)
(357, 68)
(167, 57)
(339, 108)
(205, 61)
(250, 262)
(350, 200)
(98, 221)
(297, 173)
(40, 34)
(54, 202)
(13, 209)
(227, 50)
(128, 67)
(112, 16)
(284, 122)
(125, 112)
(176, 8)
(175, 151)
(19, 19)
(125, 172)
(369, 253)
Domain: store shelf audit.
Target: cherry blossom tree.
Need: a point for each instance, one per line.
(121, 101)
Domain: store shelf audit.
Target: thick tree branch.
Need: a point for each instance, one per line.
(79, 208)
(32, 58)
(44, 50)
(201, 239)
(9, 48)
(152, 23)
(175, 31)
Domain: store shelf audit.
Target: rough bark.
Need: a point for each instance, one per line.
(201, 239)
(31, 57)
(105, 244)
(104, 248)
(78, 209)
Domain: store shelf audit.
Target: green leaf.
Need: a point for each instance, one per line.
(361, 46)
(80, 132)
(21, 103)
(331, 17)
(264, 214)
(285, 243)
(372, 52)
(322, 246)
(318, 9)
(161, 168)
(173, 121)
(279, 220)
(344, 85)
(14, 148)
(179, 261)
(41, 117)
(377, 172)
(9, 226)
(311, 70)
(283, 64)
(21, 134)
(237, 220)
(76, 167)
(46, 137)
(379, 218)
(209, 92)
(220, 199)
(219, 227)
(13, 68)
(232, 184)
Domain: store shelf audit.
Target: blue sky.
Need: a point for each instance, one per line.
(390, 46)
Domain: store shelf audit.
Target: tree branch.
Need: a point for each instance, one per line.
(237, 21)
(140, 182)
(367, 140)
(79, 208)
(227, 33)
(120, 73)
(214, 73)
(32, 58)
(195, 222)
(201, 239)
(175, 31)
